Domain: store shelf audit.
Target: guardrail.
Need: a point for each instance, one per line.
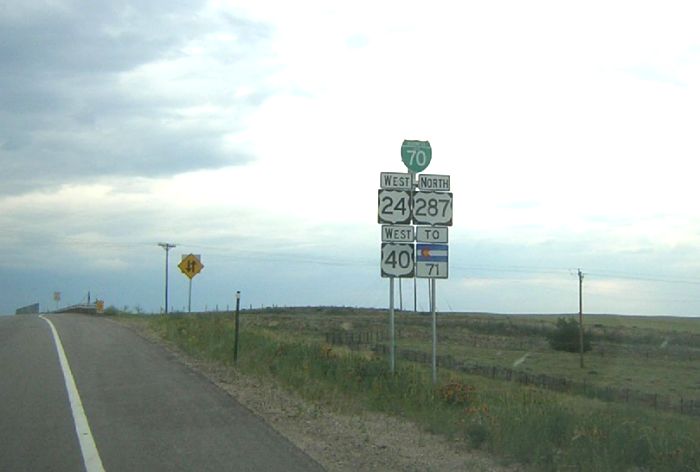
(84, 308)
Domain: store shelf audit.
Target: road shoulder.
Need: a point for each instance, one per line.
(366, 442)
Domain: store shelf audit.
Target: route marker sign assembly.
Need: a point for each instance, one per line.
(414, 251)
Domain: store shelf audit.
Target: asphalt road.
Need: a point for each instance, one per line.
(146, 410)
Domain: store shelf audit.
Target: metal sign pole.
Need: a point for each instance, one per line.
(415, 296)
(432, 308)
(189, 299)
(392, 340)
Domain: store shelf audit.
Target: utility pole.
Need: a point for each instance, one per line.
(580, 314)
(167, 247)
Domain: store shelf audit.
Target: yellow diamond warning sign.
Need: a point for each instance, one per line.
(191, 265)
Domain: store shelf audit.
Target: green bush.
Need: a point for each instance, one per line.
(111, 311)
(565, 336)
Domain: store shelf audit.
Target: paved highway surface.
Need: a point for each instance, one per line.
(144, 409)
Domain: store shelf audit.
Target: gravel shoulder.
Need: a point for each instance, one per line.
(365, 442)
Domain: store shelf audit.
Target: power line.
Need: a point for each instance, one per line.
(613, 275)
(281, 254)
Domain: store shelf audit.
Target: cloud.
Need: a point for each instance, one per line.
(110, 88)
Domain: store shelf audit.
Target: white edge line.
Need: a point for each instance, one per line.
(91, 457)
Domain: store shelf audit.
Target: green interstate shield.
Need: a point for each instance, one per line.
(416, 155)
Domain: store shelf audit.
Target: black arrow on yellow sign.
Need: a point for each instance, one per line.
(190, 265)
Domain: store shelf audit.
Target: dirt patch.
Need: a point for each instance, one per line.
(366, 442)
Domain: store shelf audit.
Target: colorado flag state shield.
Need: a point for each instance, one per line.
(431, 252)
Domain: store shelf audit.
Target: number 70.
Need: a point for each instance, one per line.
(417, 156)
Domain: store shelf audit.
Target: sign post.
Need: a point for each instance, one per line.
(235, 339)
(392, 330)
(434, 326)
(398, 260)
(190, 265)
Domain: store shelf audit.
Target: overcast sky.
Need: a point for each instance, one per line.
(253, 133)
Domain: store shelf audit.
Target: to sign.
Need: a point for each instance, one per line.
(431, 234)
(398, 260)
(397, 234)
(416, 155)
(394, 207)
(431, 261)
(191, 265)
(395, 181)
(432, 208)
(435, 183)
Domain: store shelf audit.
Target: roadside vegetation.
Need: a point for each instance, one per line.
(566, 336)
(542, 429)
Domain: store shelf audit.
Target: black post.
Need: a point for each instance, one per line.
(235, 339)
(580, 314)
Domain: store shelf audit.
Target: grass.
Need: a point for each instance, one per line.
(543, 430)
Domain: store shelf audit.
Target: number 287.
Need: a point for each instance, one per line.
(432, 207)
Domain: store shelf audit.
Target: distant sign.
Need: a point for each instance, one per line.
(398, 260)
(395, 181)
(32, 309)
(432, 261)
(57, 296)
(432, 208)
(394, 207)
(434, 183)
(431, 234)
(416, 155)
(191, 265)
(397, 234)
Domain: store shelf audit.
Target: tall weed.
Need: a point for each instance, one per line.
(542, 429)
